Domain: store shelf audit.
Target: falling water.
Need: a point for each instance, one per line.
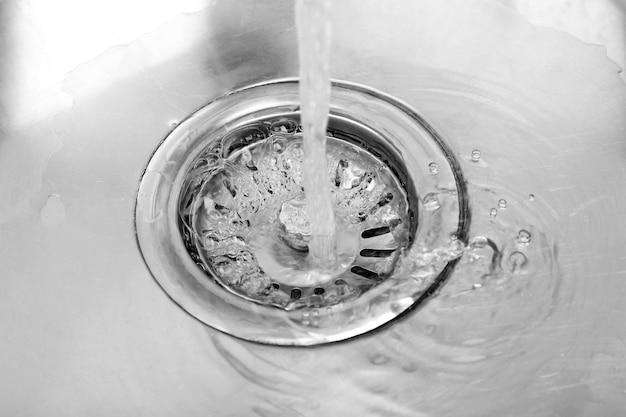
(313, 26)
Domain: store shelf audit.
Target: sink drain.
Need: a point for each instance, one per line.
(244, 221)
(222, 224)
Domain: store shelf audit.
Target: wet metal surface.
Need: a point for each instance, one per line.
(84, 328)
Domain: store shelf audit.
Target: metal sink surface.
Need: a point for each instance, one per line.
(89, 90)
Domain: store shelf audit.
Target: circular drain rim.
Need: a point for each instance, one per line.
(186, 284)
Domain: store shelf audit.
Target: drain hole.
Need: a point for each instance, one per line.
(236, 210)
(375, 232)
(251, 227)
(376, 253)
(365, 273)
(296, 293)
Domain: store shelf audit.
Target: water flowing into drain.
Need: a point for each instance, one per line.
(313, 27)
(223, 225)
(246, 219)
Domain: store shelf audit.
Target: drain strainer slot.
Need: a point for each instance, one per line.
(222, 224)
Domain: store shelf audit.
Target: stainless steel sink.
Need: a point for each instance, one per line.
(89, 91)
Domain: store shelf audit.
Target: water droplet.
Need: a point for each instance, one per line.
(284, 126)
(431, 202)
(531, 197)
(493, 212)
(523, 237)
(502, 203)
(433, 168)
(173, 123)
(478, 242)
(288, 164)
(517, 262)
(210, 241)
(476, 155)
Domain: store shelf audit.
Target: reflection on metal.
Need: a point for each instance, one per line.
(82, 320)
(279, 304)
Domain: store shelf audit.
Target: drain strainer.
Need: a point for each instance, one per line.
(222, 224)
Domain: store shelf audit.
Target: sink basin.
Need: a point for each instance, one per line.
(89, 92)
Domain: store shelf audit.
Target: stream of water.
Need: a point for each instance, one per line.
(313, 27)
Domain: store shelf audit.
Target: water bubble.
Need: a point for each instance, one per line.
(237, 225)
(493, 212)
(531, 197)
(210, 241)
(224, 269)
(476, 155)
(284, 126)
(433, 168)
(214, 215)
(431, 202)
(246, 157)
(517, 262)
(523, 237)
(455, 249)
(477, 286)
(279, 144)
(349, 176)
(288, 164)
(245, 257)
(502, 203)
(478, 242)
(213, 160)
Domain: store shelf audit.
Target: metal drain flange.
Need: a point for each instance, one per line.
(222, 224)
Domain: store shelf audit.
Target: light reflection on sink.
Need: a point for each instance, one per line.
(86, 328)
